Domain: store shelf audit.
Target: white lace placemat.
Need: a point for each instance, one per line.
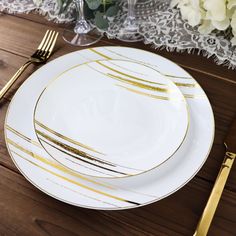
(160, 26)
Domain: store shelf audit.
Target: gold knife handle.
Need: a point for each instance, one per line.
(13, 79)
(212, 203)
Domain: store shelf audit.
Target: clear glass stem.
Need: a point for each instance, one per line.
(130, 22)
(131, 8)
(82, 26)
(80, 9)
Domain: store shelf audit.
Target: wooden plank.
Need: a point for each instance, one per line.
(34, 213)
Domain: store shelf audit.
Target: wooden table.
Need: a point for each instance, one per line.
(24, 210)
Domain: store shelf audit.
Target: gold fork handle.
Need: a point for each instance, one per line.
(13, 79)
(212, 203)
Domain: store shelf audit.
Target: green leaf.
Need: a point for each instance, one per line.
(112, 11)
(93, 4)
(100, 21)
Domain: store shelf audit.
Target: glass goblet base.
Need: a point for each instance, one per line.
(129, 31)
(82, 39)
(127, 36)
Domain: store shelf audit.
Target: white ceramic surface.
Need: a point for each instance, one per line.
(107, 194)
(103, 119)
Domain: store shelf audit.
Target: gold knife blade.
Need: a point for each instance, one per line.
(212, 203)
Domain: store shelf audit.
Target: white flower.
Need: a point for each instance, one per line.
(231, 4)
(190, 10)
(206, 27)
(37, 2)
(217, 13)
(233, 25)
(216, 9)
(209, 14)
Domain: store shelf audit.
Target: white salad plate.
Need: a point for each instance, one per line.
(108, 193)
(105, 119)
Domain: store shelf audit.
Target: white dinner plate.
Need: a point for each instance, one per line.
(102, 119)
(99, 193)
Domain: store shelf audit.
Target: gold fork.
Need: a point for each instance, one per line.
(40, 56)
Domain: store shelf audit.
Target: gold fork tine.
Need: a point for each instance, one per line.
(43, 40)
(53, 44)
(47, 40)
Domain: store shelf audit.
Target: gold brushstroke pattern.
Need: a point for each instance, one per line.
(77, 183)
(85, 161)
(144, 94)
(97, 159)
(76, 157)
(167, 75)
(54, 165)
(65, 138)
(137, 84)
(71, 149)
(172, 76)
(65, 170)
(77, 152)
(22, 136)
(127, 75)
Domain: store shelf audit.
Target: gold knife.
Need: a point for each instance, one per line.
(212, 203)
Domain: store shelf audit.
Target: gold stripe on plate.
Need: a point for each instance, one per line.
(22, 136)
(77, 183)
(78, 192)
(86, 167)
(66, 138)
(144, 94)
(100, 54)
(54, 165)
(127, 75)
(137, 84)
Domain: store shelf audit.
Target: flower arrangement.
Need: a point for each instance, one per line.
(99, 10)
(209, 14)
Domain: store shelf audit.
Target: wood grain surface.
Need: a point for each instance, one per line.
(24, 210)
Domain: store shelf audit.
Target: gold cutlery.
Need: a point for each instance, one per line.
(40, 56)
(212, 203)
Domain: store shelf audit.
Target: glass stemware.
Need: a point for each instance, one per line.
(83, 33)
(129, 31)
